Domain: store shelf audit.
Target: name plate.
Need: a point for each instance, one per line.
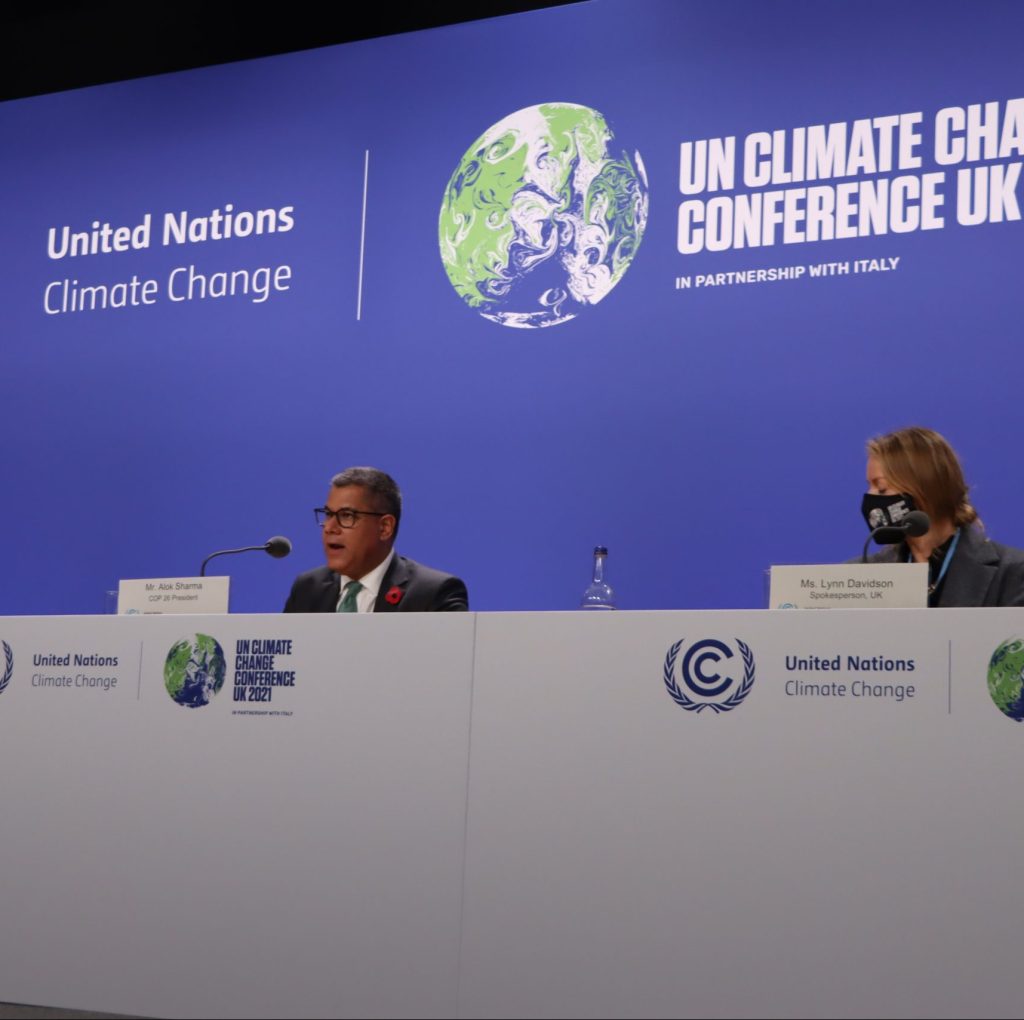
(155, 596)
(850, 586)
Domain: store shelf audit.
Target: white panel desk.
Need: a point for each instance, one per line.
(510, 814)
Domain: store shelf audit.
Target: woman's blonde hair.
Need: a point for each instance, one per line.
(922, 464)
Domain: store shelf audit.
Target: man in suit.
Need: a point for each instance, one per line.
(363, 573)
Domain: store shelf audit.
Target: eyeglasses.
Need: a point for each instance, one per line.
(345, 517)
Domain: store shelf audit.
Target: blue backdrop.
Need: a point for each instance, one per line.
(701, 433)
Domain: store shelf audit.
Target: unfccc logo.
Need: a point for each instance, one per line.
(6, 666)
(707, 682)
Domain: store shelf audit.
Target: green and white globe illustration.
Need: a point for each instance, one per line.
(194, 671)
(542, 216)
(1006, 678)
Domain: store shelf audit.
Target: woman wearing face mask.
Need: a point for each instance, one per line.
(916, 469)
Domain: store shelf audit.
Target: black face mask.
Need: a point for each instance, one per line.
(884, 511)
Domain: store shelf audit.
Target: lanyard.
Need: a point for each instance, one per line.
(932, 588)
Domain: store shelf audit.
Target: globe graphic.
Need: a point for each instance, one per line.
(1005, 670)
(542, 216)
(194, 671)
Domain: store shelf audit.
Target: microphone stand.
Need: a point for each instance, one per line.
(226, 552)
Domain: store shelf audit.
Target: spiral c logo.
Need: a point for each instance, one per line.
(6, 666)
(708, 675)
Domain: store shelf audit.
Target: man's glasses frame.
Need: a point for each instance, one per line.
(346, 517)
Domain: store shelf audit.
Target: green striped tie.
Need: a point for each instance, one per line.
(348, 602)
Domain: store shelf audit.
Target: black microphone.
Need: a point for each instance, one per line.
(913, 525)
(278, 546)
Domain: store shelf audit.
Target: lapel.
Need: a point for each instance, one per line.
(327, 591)
(396, 576)
(972, 571)
(888, 554)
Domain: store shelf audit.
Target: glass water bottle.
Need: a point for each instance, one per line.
(599, 594)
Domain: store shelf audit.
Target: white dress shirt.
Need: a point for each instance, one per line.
(371, 582)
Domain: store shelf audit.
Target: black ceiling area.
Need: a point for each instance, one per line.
(57, 46)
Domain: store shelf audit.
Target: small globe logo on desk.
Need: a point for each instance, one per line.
(194, 671)
(542, 216)
(1006, 678)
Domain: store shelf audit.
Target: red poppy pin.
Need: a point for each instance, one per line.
(393, 595)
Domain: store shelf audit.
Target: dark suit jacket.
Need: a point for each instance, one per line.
(981, 573)
(420, 589)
